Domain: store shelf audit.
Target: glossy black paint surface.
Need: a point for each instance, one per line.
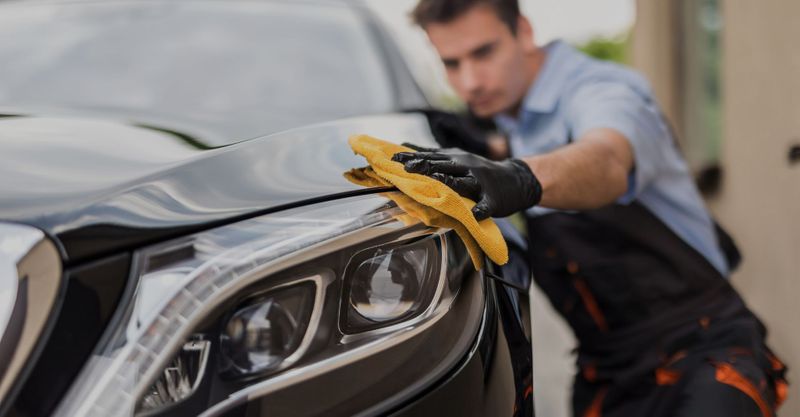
(488, 382)
(100, 187)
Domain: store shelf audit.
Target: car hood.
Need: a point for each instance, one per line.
(99, 187)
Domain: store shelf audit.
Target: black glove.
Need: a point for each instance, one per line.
(454, 131)
(500, 188)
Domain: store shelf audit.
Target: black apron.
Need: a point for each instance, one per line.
(645, 307)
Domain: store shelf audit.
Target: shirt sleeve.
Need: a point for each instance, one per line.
(617, 106)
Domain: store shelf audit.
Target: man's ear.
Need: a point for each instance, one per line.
(525, 34)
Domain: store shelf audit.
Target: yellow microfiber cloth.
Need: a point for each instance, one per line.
(426, 199)
(417, 212)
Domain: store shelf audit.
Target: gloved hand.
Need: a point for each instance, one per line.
(499, 188)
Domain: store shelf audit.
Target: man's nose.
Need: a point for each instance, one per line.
(470, 78)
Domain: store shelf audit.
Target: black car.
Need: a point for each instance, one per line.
(154, 261)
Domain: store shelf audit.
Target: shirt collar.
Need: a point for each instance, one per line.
(543, 95)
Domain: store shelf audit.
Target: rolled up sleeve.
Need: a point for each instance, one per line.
(616, 105)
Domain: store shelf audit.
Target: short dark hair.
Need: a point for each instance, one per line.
(444, 11)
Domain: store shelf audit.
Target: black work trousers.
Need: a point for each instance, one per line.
(730, 382)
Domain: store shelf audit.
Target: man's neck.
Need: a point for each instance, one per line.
(532, 66)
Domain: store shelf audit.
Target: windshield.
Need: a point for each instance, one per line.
(234, 69)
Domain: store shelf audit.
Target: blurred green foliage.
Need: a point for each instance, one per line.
(608, 49)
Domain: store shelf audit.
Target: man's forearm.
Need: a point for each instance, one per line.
(588, 174)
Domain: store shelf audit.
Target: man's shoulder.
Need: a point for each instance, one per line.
(601, 74)
(569, 75)
(580, 69)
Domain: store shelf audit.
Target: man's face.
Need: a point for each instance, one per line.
(484, 61)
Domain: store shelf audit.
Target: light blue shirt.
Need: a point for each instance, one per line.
(574, 93)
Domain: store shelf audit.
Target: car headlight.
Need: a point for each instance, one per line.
(268, 302)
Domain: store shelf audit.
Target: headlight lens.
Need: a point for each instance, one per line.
(382, 291)
(261, 335)
(264, 295)
(387, 285)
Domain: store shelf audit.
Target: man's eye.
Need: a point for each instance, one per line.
(450, 63)
(483, 51)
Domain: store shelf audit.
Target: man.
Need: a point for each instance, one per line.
(620, 240)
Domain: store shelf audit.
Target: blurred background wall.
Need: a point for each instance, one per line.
(726, 72)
